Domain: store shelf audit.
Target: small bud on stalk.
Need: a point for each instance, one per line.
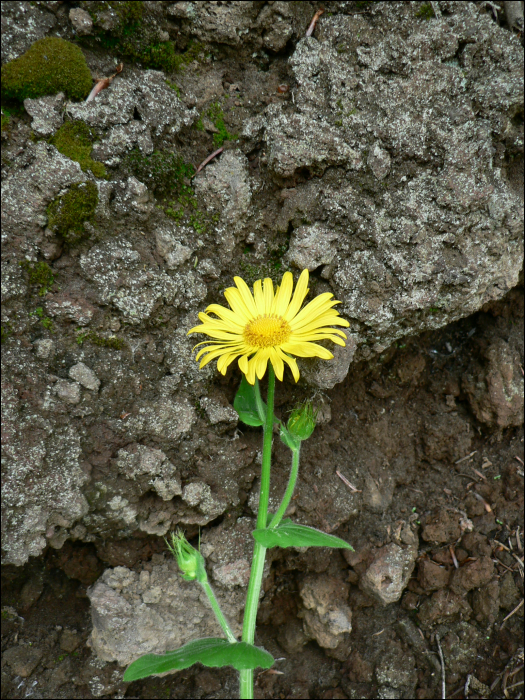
(301, 423)
(190, 561)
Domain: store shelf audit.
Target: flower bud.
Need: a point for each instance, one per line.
(302, 420)
(190, 561)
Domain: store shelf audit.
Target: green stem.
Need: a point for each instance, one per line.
(289, 490)
(218, 612)
(259, 552)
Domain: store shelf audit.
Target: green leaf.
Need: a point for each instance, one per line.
(214, 652)
(289, 534)
(287, 438)
(245, 404)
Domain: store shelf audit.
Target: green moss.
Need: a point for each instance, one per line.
(216, 114)
(5, 122)
(136, 36)
(111, 342)
(199, 124)
(51, 65)
(174, 87)
(425, 11)
(162, 171)
(75, 140)
(39, 273)
(44, 320)
(67, 213)
(6, 332)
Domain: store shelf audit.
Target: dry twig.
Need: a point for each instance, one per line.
(103, 83)
(311, 28)
(518, 606)
(207, 160)
(442, 660)
(345, 481)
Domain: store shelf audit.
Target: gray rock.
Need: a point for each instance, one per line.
(164, 419)
(229, 553)
(217, 413)
(44, 348)
(120, 139)
(26, 194)
(298, 141)
(154, 611)
(145, 91)
(47, 113)
(496, 390)
(224, 188)
(133, 197)
(23, 659)
(139, 461)
(81, 21)
(170, 248)
(68, 391)
(200, 494)
(114, 267)
(388, 574)
(312, 246)
(22, 25)
(327, 617)
(13, 284)
(325, 374)
(42, 486)
(77, 310)
(85, 376)
(379, 161)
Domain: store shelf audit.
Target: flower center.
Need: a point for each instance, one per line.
(266, 331)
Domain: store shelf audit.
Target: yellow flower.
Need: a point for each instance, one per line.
(267, 325)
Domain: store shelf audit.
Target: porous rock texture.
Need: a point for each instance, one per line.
(388, 165)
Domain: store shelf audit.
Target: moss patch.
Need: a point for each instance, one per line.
(136, 37)
(216, 114)
(162, 171)
(67, 213)
(75, 140)
(111, 342)
(51, 65)
(425, 11)
(39, 273)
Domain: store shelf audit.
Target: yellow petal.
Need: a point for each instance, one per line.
(250, 374)
(225, 361)
(277, 364)
(219, 349)
(262, 361)
(259, 298)
(283, 295)
(235, 300)
(307, 350)
(219, 334)
(243, 364)
(300, 292)
(268, 295)
(246, 295)
(316, 307)
(317, 336)
(290, 361)
(226, 315)
(305, 335)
